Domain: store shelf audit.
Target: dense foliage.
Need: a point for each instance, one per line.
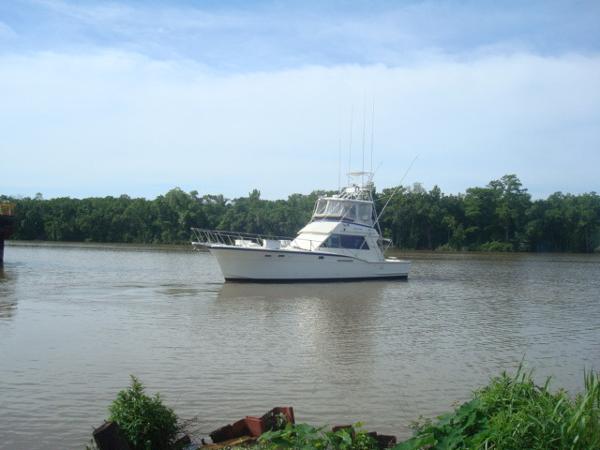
(514, 413)
(145, 422)
(498, 217)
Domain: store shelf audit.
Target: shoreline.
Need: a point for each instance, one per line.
(186, 247)
(100, 245)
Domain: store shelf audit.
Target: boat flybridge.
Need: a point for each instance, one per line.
(341, 242)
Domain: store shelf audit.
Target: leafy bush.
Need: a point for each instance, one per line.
(512, 412)
(145, 422)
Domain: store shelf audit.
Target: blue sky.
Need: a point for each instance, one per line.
(105, 98)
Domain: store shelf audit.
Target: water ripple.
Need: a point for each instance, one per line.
(75, 322)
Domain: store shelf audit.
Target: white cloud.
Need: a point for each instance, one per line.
(270, 35)
(114, 122)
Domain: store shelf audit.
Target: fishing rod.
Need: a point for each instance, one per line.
(395, 190)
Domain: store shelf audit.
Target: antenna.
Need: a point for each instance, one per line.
(340, 120)
(362, 179)
(350, 143)
(372, 133)
(340, 161)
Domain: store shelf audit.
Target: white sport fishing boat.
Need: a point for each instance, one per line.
(342, 242)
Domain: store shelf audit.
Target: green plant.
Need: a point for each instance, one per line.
(352, 438)
(302, 436)
(146, 423)
(513, 412)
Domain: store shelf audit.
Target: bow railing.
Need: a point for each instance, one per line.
(211, 238)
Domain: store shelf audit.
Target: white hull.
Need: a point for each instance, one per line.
(254, 264)
(342, 242)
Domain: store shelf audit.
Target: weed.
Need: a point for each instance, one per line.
(515, 413)
(145, 422)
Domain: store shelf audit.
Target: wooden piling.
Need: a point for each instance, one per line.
(7, 220)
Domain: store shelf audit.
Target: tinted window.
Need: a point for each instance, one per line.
(345, 241)
(356, 242)
(333, 241)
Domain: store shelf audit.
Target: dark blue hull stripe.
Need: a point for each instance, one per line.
(313, 280)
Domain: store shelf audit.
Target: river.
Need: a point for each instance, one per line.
(76, 320)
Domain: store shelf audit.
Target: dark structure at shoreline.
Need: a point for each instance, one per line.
(7, 223)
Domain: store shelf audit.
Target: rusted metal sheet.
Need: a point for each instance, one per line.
(254, 426)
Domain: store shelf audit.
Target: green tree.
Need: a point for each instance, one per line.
(500, 215)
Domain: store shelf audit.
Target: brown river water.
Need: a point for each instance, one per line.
(77, 320)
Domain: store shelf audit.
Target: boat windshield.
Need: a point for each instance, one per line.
(345, 210)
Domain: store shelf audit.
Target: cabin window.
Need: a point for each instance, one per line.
(321, 206)
(346, 241)
(332, 241)
(355, 242)
(336, 208)
(350, 212)
(365, 213)
(345, 210)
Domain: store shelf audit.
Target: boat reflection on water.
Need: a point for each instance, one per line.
(328, 332)
(348, 291)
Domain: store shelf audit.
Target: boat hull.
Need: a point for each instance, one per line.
(259, 265)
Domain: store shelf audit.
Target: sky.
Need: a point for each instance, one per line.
(138, 97)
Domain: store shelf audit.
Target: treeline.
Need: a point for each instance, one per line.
(498, 217)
